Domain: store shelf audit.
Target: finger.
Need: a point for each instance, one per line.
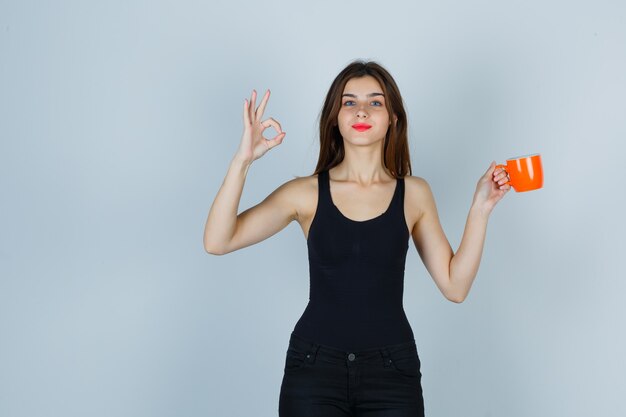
(252, 105)
(504, 177)
(261, 109)
(500, 173)
(277, 140)
(271, 122)
(246, 114)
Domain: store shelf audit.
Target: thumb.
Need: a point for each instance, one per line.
(492, 167)
(277, 140)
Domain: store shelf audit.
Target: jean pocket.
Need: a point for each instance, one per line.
(295, 359)
(406, 362)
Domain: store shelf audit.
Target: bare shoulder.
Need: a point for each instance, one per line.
(416, 184)
(415, 181)
(301, 192)
(417, 197)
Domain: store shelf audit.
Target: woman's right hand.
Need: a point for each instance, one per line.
(253, 144)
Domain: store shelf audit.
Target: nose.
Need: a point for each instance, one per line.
(361, 113)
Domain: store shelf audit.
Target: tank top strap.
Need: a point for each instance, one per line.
(399, 206)
(323, 184)
(399, 195)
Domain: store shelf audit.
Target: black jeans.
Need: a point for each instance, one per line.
(322, 381)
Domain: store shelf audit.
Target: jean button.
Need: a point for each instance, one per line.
(351, 357)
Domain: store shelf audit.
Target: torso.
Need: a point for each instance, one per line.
(357, 241)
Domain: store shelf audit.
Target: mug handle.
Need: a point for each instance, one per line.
(507, 173)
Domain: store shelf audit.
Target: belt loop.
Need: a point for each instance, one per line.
(386, 357)
(312, 353)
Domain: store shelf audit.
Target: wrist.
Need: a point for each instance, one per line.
(241, 161)
(479, 210)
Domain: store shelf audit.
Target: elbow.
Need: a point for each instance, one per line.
(456, 297)
(213, 250)
(212, 247)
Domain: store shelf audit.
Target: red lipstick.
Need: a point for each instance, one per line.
(361, 127)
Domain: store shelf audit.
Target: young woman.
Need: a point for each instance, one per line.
(353, 352)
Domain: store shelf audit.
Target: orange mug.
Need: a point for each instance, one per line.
(525, 172)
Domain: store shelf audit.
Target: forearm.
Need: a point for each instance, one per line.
(222, 219)
(465, 262)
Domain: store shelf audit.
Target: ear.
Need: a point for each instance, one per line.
(395, 120)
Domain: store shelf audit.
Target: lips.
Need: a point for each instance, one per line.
(361, 127)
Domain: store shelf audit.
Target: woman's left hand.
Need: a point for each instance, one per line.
(491, 188)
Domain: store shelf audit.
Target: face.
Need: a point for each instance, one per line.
(363, 102)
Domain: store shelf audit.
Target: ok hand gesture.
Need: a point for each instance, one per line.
(253, 144)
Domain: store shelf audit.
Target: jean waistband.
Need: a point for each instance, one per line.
(363, 355)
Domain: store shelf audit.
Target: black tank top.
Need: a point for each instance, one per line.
(356, 276)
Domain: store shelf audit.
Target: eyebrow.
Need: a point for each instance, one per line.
(369, 95)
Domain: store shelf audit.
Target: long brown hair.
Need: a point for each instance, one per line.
(395, 155)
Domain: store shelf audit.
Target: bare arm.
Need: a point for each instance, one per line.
(428, 236)
(222, 220)
(464, 264)
(225, 231)
(455, 273)
(491, 188)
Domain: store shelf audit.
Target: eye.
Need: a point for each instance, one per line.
(347, 102)
(379, 103)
